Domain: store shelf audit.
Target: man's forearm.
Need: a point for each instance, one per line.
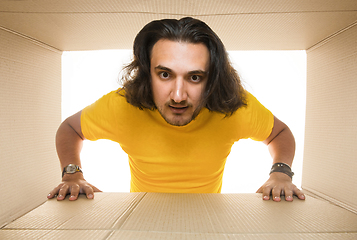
(69, 141)
(69, 145)
(282, 147)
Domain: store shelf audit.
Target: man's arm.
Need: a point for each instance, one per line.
(281, 145)
(69, 141)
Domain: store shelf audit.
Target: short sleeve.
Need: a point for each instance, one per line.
(256, 121)
(98, 119)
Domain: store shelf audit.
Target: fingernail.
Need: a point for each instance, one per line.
(276, 198)
(49, 195)
(289, 198)
(90, 196)
(266, 197)
(72, 197)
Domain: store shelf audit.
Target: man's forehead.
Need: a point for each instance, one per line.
(173, 54)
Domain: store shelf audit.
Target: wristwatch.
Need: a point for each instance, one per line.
(71, 168)
(283, 168)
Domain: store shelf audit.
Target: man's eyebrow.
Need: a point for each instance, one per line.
(194, 72)
(163, 68)
(198, 72)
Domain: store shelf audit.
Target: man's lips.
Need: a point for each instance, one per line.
(178, 109)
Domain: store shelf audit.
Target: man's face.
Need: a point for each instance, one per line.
(179, 73)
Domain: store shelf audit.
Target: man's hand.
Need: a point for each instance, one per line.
(280, 184)
(69, 140)
(73, 184)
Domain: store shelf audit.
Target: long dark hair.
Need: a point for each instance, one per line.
(224, 92)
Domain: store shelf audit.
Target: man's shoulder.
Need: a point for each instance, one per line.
(117, 101)
(114, 97)
(250, 101)
(109, 102)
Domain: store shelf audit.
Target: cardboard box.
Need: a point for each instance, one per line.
(33, 35)
(184, 216)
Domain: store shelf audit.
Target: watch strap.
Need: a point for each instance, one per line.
(78, 169)
(283, 168)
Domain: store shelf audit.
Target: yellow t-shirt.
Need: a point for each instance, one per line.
(166, 158)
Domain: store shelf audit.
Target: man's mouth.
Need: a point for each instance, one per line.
(178, 109)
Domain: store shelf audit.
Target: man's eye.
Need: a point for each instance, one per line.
(195, 78)
(164, 75)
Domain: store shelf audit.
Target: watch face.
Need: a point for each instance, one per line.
(71, 168)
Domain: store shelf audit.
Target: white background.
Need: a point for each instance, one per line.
(276, 78)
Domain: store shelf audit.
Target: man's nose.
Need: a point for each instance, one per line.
(179, 92)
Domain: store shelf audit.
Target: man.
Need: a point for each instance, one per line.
(177, 116)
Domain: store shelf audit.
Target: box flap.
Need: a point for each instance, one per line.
(103, 212)
(237, 213)
(184, 216)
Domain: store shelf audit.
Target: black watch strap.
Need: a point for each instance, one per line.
(283, 168)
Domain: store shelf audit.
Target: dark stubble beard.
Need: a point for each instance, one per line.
(194, 115)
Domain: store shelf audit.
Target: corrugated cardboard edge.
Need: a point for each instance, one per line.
(329, 38)
(32, 40)
(125, 216)
(318, 195)
(15, 217)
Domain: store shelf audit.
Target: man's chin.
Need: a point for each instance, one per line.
(178, 122)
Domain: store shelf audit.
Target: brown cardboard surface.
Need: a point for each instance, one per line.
(244, 25)
(331, 127)
(103, 212)
(139, 235)
(184, 216)
(30, 103)
(236, 213)
(54, 234)
(127, 235)
(31, 32)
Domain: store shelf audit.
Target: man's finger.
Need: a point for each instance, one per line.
(266, 192)
(299, 193)
(62, 192)
(276, 194)
(74, 191)
(54, 192)
(288, 194)
(88, 190)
